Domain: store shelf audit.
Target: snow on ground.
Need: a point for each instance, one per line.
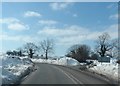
(68, 61)
(59, 61)
(14, 68)
(108, 69)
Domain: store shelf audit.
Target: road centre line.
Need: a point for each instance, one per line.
(75, 80)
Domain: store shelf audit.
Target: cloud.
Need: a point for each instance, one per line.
(75, 34)
(110, 6)
(32, 14)
(18, 38)
(65, 36)
(115, 16)
(47, 22)
(68, 31)
(8, 20)
(60, 5)
(75, 15)
(18, 26)
(68, 35)
(113, 31)
(14, 24)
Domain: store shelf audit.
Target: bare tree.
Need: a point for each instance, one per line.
(94, 56)
(9, 52)
(14, 52)
(72, 51)
(79, 52)
(115, 51)
(20, 51)
(103, 44)
(47, 47)
(30, 48)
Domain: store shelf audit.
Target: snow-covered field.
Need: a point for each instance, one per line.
(14, 68)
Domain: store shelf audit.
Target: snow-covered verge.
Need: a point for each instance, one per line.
(110, 70)
(14, 68)
(60, 61)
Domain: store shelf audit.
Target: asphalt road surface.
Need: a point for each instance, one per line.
(53, 74)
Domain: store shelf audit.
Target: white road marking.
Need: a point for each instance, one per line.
(76, 79)
(66, 75)
(70, 76)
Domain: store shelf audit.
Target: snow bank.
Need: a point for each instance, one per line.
(10, 60)
(8, 77)
(108, 69)
(60, 61)
(68, 61)
(13, 68)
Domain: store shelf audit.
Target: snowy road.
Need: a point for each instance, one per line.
(52, 74)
